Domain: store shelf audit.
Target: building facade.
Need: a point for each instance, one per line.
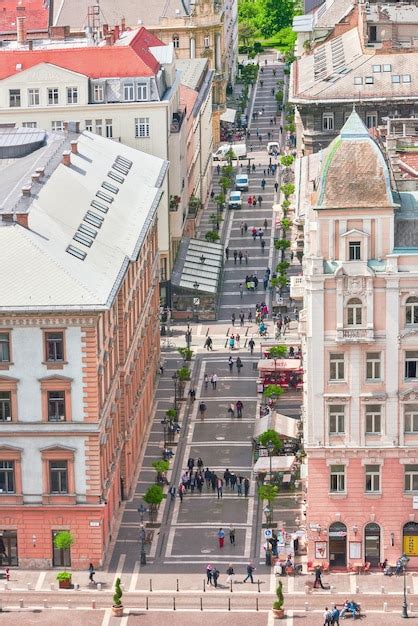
(360, 341)
(352, 53)
(79, 340)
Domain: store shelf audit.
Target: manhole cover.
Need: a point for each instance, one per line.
(206, 551)
(220, 438)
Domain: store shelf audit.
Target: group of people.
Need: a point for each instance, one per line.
(282, 325)
(252, 200)
(212, 572)
(234, 342)
(251, 282)
(239, 364)
(192, 479)
(238, 406)
(332, 616)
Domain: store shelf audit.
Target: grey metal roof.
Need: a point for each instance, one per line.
(198, 266)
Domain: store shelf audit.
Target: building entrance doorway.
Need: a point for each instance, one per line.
(8, 547)
(337, 544)
(372, 544)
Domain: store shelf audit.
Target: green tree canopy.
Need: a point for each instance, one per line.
(270, 438)
(268, 492)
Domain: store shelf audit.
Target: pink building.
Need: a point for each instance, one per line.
(360, 339)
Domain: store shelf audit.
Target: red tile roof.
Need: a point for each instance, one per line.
(134, 59)
(35, 12)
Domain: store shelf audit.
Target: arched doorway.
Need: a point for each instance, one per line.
(410, 539)
(337, 544)
(372, 544)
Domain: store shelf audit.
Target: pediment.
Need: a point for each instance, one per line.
(356, 232)
(44, 73)
(409, 394)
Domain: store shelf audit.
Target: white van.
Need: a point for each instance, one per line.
(241, 182)
(234, 201)
(239, 150)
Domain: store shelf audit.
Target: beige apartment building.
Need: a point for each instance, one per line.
(196, 28)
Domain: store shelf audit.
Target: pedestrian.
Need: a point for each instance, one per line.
(239, 365)
(276, 186)
(230, 572)
(192, 394)
(219, 487)
(215, 576)
(202, 409)
(231, 342)
(272, 91)
(233, 319)
(318, 579)
(214, 381)
(250, 317)
(260, 200)
(240, 255)
(206, 381)
(209, 571)
(245, 227)
(242, 229)
(212, 194)
(239, 489)
(250, 201)
(254, 201)
(239, 406)
(327, 617)
(233, 481)
(241, 319)
(265, 223)
(263, 184)
(274, 120)
(261, 138)
(335, 616)
(265, 282)
(237, 340)
(227, 476)
(254, 233)
(246, 487)
(231, 410)
(208, 343)
(263, 245)
(91, 573)
(208, 476)
(172, 492)
(200, 464)
(232, 536)
(241, 291)
(251, 345)
(246, 258)
(227, 250)
(261, 84)
(161, 369)
(235, 256)
(182, 490)
(190, 463)
(218, 169)
(250, 570)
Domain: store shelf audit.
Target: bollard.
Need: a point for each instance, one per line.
(150, 584)
(99, 586)
(93, 604)
(258, 585)
(45, 603)
(382, 589)
(177, 586)
(385, 607)
(174, 603)
(230, 586)
(77, 587)
(52, 586)
(204, 585)
(146, 602)
(256, 603)
(306, 607)
(201, 603)
(21, 603)
(229, 604)
(29, 586)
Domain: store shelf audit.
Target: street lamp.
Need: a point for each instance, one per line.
(188, 337)
(405, 603)
(270, 448)
(196, 286)
(142, 510)
(175, 381)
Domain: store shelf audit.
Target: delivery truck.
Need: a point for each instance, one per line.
(239, 150)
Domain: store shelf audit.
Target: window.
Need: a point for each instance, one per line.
(109, 128)
(5, 406)
(74, 251)
(368, 80)
(98, 92)
(328, 121)
(411, 477)
(128, 92)
(373, 419)
(411, 364)
(376, 69)
(373, 366)
(371, 120)
(4, 347)
(411, 418)
(142, 127)
(358, 80)
(54, 346)
(176, 41)
(58, 476)
(336, 366)
(93, 219)
(336, 419)
(206, 41)
(72, 95)
(56, 406)
(411, 316)
(387, 67)
(337, 478)
(57, 125)
(99, 206)
(83, 239)
(7, 477)
(99, 127)
(354, 250)
(89, 125)
(33, 97)
(53, 95)
(372, 478)
(110, 187)
(406, 78)
(354, 312)
(14, 97)
(142, 91)
(29, 125)
(396, 78)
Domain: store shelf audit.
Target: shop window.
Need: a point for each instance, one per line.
(8, 548)
(410, 539)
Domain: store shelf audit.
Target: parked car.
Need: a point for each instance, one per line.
(241, 182)
(234, 201)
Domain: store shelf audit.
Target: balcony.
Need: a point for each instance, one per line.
(297, 286)
(355, 335)
(177, 121)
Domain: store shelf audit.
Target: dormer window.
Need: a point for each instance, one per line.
(98, 92)
(142, 91)
(354, 251)
(129, 92)
(354, 312)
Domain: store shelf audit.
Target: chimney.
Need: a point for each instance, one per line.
(116, 32)
(74, 148)
(26, 191)
(123, 24)
(20, 27)
(36, 176)
(23, 219)
(66, 158)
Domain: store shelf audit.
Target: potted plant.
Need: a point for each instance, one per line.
(186, 353)
(278, 610)
(63, 541)
(154, 496)
(161, 467)
(117, 608)
(171, 415)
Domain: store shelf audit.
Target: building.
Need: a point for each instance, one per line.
(79, 340)
(360, 341)
(349, 52)
(26, 19)
(129, 91)
(196, 28)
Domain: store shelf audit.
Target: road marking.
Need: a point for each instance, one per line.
(40, 581)
(107, 616)
(119, 569)
(124, 620)
(134, 578)
(289, 617)
(353, 583)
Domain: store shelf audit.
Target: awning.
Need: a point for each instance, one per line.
(229, 116)
(278, 464)
(281, 364)
(282, 424)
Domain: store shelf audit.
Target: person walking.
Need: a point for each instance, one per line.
(231, 410)
(235, 256)
(230, 573)
(240, 255)
(251, 345)
(172, 492)
(241, 319)
(218, 169)
(232, 342)
(237, 340)
(242, 229)
(202, 409)
(246, 487)
(239, 406)
(250, 201)
(233, 319)
(250, 317)
(335, 616)
(215, 576)
(192, 394)
(265, 223)
(232, 536)
(260, 200)
(254, 233)
(206, 381)
(239, 487)
(245, 227)
(250, 570)
(318, 579)
(227, 250)
(208, 343)
(239, 365)
(230, 363)
(227, 476)
(246, 258)
(327, 617)
(221, 537)
(208, 477)
(263, 245)
(276, 186)
(181, 490)
(91, 573)
(263, 184)
(214, 381)
(219, 491)
(209, 570)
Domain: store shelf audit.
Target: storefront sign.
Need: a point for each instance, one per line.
(410, 545)
(321, 549)
(338, 533)
(94, 524)
(355, 550)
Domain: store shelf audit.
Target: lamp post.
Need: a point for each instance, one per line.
(270, 448)
(196, 286)
(142, 510)
(405, 603)
(175, 381)
(188, 337)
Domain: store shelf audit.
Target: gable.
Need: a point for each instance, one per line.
(45, 73)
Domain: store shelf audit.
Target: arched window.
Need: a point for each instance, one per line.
(176, 41)
(411, 316)
(354, 312)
